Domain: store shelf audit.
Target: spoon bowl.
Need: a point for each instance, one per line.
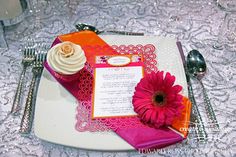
(196, 64)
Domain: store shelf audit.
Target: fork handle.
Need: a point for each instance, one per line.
(26, 122)
(16, 103)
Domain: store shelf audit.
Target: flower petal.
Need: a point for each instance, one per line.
(176, 88)
(169, 80)
(158, 80)
(141, 95)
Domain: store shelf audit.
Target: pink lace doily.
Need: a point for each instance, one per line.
(84, 115)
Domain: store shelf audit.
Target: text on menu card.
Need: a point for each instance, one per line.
(115, 78)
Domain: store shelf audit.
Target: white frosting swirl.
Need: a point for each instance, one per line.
(66, 58)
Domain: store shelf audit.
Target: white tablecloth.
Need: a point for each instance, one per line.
(194, 23)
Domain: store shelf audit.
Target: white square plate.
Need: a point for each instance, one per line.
(55, 110)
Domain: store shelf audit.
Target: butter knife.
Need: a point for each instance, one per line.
(200, 130)
(83, 26)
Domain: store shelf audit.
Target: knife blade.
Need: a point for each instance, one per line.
(200, 129)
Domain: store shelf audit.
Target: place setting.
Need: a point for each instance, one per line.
(119, 78)
(126, 90)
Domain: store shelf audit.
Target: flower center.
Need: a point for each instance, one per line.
(159, 99)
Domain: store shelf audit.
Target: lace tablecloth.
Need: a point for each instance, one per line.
(194, 23)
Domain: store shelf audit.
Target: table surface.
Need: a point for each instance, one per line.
(194, 23)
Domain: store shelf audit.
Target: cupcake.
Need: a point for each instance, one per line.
(66, 59)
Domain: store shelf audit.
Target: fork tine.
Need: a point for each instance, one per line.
(25, 52)
(29, 52)
(37, 57)
(32, 52)
(43, 57)
(42, 52)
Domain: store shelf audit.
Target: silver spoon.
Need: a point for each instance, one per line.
(196, 66)
(83, 26)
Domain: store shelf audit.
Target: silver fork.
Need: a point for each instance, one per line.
(28, 58)
(26, 122)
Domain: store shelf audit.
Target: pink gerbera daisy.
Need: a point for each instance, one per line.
(156, 99)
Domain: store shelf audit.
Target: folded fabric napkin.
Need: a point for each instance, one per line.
(142, 137)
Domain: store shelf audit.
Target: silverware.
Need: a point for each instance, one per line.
(26, 123)
(200, 129)
(83, 26)
(197, 68)
(28, 58)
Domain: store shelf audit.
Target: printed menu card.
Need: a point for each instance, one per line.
(115, 78)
